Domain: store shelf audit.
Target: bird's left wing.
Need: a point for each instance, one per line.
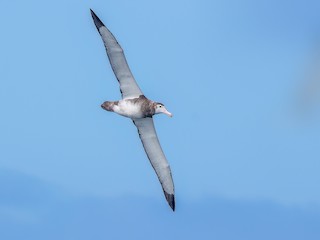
(128, 86)
(156, 156)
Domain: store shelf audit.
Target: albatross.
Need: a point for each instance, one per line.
(136, 106)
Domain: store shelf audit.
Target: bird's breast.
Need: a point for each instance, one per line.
(129, 109)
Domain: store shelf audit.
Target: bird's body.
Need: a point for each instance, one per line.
(134, 108)
(140, 109)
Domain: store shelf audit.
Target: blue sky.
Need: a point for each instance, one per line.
(243, 149)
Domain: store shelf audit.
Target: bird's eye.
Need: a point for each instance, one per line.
(160, 106)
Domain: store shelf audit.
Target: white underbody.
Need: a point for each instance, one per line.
(128, 109)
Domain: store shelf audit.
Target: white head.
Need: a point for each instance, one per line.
(160, 108)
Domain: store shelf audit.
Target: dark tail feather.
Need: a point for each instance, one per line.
(170, 199)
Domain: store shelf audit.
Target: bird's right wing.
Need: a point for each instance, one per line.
(128, 86)
(156, 156)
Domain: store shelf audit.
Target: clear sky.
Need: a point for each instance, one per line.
(244, 151)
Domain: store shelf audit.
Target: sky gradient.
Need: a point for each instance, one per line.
(243, 149)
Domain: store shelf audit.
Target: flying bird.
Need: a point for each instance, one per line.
(136, 106)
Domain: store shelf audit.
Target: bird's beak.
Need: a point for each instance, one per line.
(168, 113)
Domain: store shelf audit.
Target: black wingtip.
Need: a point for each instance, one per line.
(170, 200)
(96, 20)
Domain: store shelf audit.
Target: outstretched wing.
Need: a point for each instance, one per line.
(156, 156)
(128, 86)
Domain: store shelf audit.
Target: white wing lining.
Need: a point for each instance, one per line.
(156, 156)
(128, 86)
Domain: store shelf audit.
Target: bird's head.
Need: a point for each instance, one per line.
(160, 108)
